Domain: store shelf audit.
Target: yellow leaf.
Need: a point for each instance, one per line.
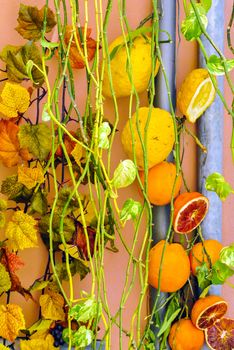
(3, 347)
(46, 344)
(52, 305)
(5, 281)
(21, 231)
(30, 177)
(14, 99)
(11, 321)
(78, 153)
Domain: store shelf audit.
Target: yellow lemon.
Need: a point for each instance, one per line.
(196, 94)
(160, 136)
(141, 67)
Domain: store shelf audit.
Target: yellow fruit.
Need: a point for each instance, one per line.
(196, 94)
(185, 336)
(161, 180)
(141, 65)
(160, 136)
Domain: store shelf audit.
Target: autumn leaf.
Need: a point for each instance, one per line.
(5, 281)
(9, 145)
(16, 58)
(30, 21)
(30, 177)
(11, 321)
(52, 305)
(42, 344)
(68, 143)
(14, 190)
(11, 261)
(14, 99)
(3, 347)
(75, 58)
(16, 286)
(21, 231)
(37, 138)
(78, 154)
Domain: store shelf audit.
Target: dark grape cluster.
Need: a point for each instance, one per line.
(57, 332)
(71, 259)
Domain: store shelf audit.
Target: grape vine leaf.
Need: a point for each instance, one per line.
(21, 231)
(11, 321)
(16, 58)
(217, 66)
(11, 261)
(30, 177)
(3, 347)
(52, 305)
(42, 344)
(39, 203)
(15, 190)
(5, 281)
(37, 138)
(227, 256)
(3, 207)
(76, 59)
(15, 99)
(216, 182)
(86, 310)
(30, 21)
(80, 338)
(10, 150)
(221, 272)
(190, 26)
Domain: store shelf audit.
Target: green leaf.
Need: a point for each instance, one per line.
(38, 285)
(31, 21)
(206, 4)
(205, 292)
(80, 339)
(48, 44)
(103, 132)
(38, 203)
(172, 312)
(204, 276)
(124, 174)
(221, 272)
(190, 26)
(131, 210)
(215, 65)
(5, 280)
(227, 256)
(15, 190)
(86, 310)
(215, 182)
(16, 59)
(37, 139)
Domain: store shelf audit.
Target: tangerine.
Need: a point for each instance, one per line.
(206, 252)
(174, 255)
(184, 336)
(161, 180)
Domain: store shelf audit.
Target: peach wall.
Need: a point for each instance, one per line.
(115, 264)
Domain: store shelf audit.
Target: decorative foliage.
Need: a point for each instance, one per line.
(215, 182)
(42, 344)
(11, 321)
(21, 231)
(52, 305)
(5, 281)
(14, 100)
(30, 177)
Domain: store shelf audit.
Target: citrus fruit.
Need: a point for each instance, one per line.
(196, 94)
(174, 257)
(220, 336)
(160, 136)
(198, 254)
(141, 67)
(161, 180)
(184, 336)
(207, 310)
(190, 209)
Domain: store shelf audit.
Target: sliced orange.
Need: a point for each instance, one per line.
(220, 336)
(207, 310)
(190, 209)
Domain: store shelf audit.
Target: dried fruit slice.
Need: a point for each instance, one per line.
(220, 336)
(207, 310)
(190, 209)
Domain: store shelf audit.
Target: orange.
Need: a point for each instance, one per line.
(175, 268)
(184, 336)
(220, 336)
(198, 254)
(161, 179)
(207, 310)
(190, 209)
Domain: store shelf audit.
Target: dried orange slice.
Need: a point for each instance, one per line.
(190, 209)
(207, 310)
(220, 336)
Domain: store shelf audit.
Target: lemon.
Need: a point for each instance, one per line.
(196, 94)
(160, 136)
(141, 65)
